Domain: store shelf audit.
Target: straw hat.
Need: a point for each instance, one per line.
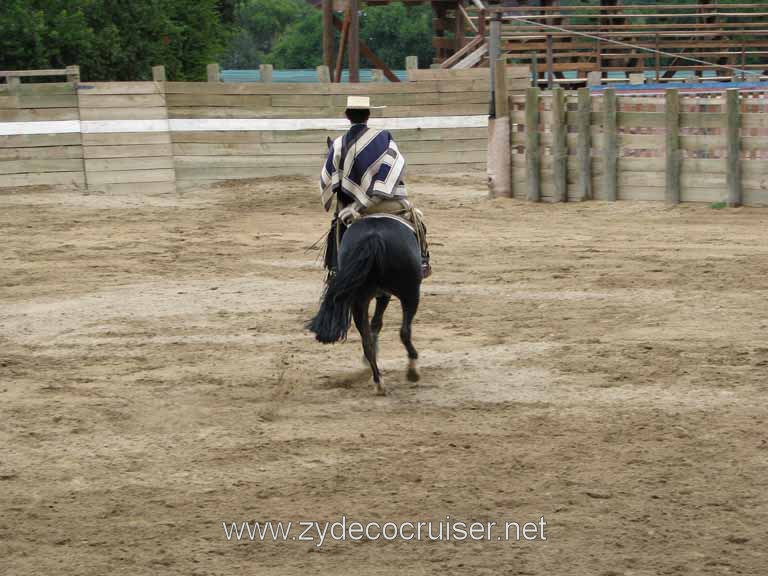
(361, 103)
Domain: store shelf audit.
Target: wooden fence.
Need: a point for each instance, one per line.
(664, 146)
(117, 136)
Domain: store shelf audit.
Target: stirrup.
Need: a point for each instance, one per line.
(426, 270)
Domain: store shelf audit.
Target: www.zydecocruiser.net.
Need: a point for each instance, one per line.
(343, 530)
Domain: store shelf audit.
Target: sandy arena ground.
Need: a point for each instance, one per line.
(602, 365)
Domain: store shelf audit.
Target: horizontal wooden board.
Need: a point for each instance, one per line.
(40, 165)
(123, 113)
(232, 137)
(42, 100)
(221, 100)
(38, 89)
(126, 138)
(315, 160)
(42, 179)
(38, 114)
(119, 176)
(122, 100)
(142, 188)
(42, 140)
(128, 151)
(106, 164)
(41, 152)
(367, 89)
(107, 88)
(420, 75)
(209, 173)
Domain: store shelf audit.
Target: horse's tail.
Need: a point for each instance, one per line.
(335, 315)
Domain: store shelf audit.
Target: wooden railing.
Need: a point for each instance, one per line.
(567, 42)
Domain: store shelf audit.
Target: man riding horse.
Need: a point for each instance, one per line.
(364, 171)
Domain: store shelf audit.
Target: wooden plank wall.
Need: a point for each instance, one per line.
(213, 155)
(642, 172)
(118, 157)
(50, 158)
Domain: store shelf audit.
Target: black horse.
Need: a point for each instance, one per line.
(378, 257)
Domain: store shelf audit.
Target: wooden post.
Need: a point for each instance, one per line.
(214, 74)
(481, 24)
(14, 83)
(499, 152)
(610, 145)
(328, 33)
(377, 75)
(534, 70)
(658, 60)
(158, 73)
(559, 145)
(673, 153)
(73, 74)
(584, 153)
(354, 41)
(265, 73)
(323, 74)
(342, 46)
(411, 62)
(594, 78)
(550, 63)
(733, 168)
(493, 55)
(459, 28)
(533, 173)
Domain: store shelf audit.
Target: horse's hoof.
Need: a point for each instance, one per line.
(413, 371)
(380, 389)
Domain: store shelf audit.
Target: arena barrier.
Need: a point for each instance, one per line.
(117, 135)
(607, 145)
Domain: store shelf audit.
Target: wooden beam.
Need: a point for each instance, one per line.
(354, 41)
(559, 146)
(733, 122)
(532, 160)
(673, 152)
(610, 145)
(584, 147)
(342, 45)
(328, 43)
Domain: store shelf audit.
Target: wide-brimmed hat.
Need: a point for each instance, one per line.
(361, 103)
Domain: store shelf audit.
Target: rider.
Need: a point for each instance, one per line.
(365, 170)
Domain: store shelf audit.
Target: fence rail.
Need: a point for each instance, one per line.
(572, 146)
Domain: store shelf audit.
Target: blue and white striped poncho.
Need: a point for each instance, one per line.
(373, 168)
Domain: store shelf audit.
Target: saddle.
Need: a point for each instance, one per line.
(401, 210)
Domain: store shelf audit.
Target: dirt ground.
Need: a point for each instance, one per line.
(601, 365)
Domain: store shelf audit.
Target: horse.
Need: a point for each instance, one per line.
(379, 257)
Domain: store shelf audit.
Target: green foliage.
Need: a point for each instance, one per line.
(112, 39)
(258, 25)
(395, 31)
(300, 46)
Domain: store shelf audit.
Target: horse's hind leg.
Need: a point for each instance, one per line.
(377, 322)
(360, 316)
(410, 305)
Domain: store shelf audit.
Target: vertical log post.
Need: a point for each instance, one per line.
(733, 168)
(411, 62)
(493, 55)
(550, 63)
(73, 74)
(354, 41)
(328, 34)
(459, 27)
(323, 74)
(533, 174)
(378, 76)
(610, 145)
(265, 73)
(559, 145)
(214, 74)
(158, 73)
(499, 151)
(673, 153)
(584, 115)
